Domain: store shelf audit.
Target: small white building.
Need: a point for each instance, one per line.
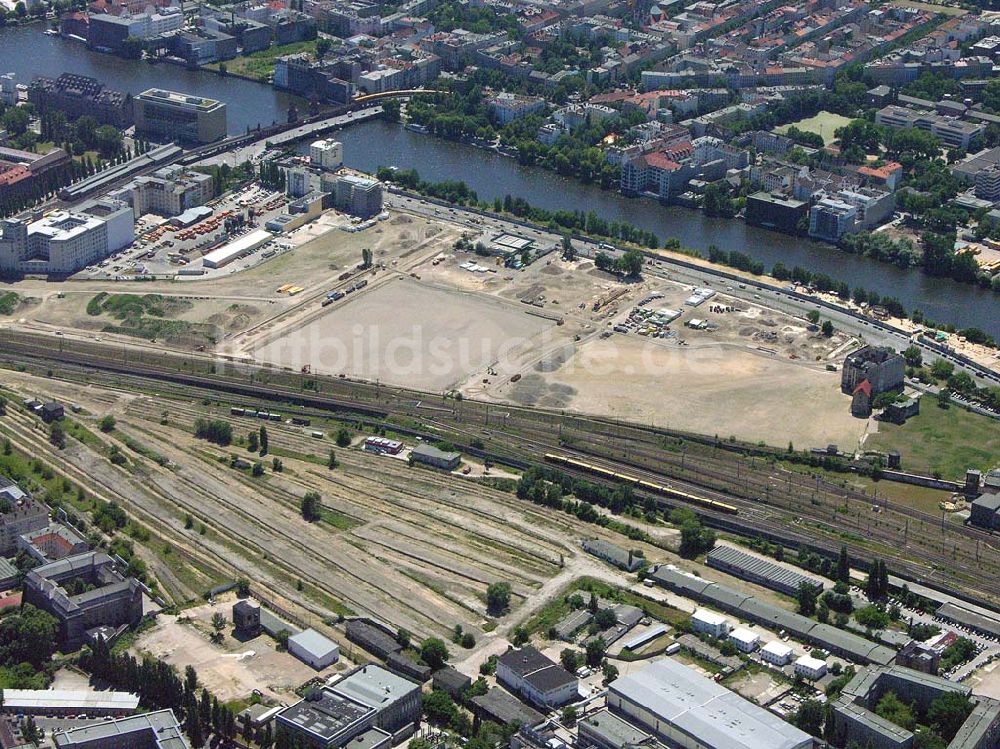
(707, 621)
(776, 653)
(313, 648)
(810, 668)
(326, 154)
(744, 639)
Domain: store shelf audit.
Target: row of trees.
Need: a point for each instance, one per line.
(214, 430)
(159, 687)
(549, 487)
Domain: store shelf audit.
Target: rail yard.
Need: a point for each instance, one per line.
(773, 498)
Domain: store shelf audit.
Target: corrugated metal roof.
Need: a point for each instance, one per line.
(67, 698)
(699, 707)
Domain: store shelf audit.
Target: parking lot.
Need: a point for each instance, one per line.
(164, 249)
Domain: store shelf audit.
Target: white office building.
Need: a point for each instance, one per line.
(810, 668)
(709, 622)
(745, 639)
(776, 653)
(64, 242)
(327, 154)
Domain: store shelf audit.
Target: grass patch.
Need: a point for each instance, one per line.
(137, 447)
(338, 519)
(12, 678)
(947, 10)
(500, 484)
(260, 65)
(124, 306)
(686, 656)
(80, 433)
(284, 452)
(909, 495)
(145, 316)
(556, 609)
(9, 302)
(942, 441)
(823, 124)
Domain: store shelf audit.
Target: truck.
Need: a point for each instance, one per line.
(673, 648)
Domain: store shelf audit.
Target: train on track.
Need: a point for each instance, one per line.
(649, 486)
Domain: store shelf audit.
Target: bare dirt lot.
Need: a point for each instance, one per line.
(407, 333)
(711, 390)
(230, 669)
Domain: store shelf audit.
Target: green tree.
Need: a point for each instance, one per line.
(498, 598)
(331, 461)
(28, 636)
(434, 652)
(568, 250)
(595, 650)
(570, 659)
(390, 110)
(132, 48)
(827, 328)
(440, 708)
(108, 140)
(895, 711)
(948, 712)
(343, 437)
(569, 716)
(366, 257)
(810, 716)
(872, 617)
(253, 444)
(263, 441)
(57, 436)
(311, 506)
(806, 597)
(630, 264)
(30, 732)
(107, 424)
(914, 357)
(844, 566)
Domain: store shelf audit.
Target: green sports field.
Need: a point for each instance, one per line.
(823, 124)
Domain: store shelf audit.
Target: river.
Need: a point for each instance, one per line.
(27, 52)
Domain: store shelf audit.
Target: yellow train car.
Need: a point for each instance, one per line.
(649, 486)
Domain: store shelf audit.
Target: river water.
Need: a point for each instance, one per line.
(27, 52)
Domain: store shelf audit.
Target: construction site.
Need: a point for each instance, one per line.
(411, 302)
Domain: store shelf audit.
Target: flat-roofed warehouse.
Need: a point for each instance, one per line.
(605, 730)
(229, 252)
(955, 614)
(69, 702)
(504, 708)
(837, 641)
(683, 708)
(365, 709)
(753, 569)
(155, 730)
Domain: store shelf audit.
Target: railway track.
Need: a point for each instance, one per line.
(789, 503)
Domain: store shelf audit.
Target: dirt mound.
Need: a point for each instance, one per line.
(235, 317)
(533, 390)
(553, 361)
